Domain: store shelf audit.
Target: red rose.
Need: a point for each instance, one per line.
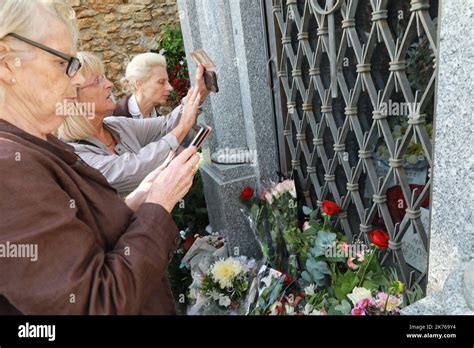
(380, 238)
(330, 208)
(288, 279)
(246, 194)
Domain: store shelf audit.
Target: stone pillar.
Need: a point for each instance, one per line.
(241, 114)
(451, 266)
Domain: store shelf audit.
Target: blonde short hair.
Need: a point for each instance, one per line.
(27, 18)
(78, 127)
(140, 69)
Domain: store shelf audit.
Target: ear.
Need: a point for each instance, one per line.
(7, 64)
(138, 85)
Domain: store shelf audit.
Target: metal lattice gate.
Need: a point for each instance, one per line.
(355, 104)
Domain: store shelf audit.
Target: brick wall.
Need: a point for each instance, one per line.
(116, 30)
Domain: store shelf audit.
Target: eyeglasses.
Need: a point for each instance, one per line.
(97, 81)
(73, 65)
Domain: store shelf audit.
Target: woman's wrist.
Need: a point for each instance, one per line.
(163, 202)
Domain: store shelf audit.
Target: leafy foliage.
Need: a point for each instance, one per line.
(171, 45)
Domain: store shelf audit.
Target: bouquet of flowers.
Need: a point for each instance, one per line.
(337, 271)
(224, 286)
(271, 287)
(308, 269)
(273, 218)
(382, 304)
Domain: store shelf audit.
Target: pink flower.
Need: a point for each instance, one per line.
(392, 304)
(306, 226)
(279, 189)
(363, 303)
(289, 186)
(269, 197)
(358, 311)
(360, 307)
(351, 264)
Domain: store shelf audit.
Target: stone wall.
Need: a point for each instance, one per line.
(116, 30)
(450, 289)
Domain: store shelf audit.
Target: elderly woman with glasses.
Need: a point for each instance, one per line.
(73, 245)
(124, 150)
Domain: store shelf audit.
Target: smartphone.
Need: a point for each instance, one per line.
(210, 74)
(210, 79)
(201, 136)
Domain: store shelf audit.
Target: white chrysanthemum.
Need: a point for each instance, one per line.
(225, 271)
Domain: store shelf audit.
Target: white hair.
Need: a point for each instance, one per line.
(29, 18)
(140, 69)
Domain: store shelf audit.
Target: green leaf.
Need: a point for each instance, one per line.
(307, 211)
(344, 308)
(323, 241)
(333, 311)
(380, 279)
(368, 284)
(305, 275)
(345, 284)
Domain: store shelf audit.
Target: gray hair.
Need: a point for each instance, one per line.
(27, 18)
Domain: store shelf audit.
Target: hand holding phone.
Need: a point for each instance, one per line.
(201, 136)
(210, 74)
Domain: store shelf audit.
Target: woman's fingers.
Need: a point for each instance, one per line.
(168, 159)
(194, 161)
(190, 93)
(194, 96)
(184, 156)
(175, 180)
(200, 72)
(197, 101)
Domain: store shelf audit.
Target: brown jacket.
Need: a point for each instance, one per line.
(94, 255)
